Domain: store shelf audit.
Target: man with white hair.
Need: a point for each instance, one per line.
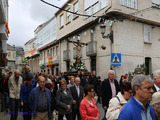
(138, 107)
(110, 89)
(156, 78)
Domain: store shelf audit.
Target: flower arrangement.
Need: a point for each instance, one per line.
(79, 67)
(3, 61)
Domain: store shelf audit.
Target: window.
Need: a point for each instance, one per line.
(93, 6)
(53, 52)
(76, 9)
(147, 33)
(61, 21)
(156, 3)
(129, 3)
(56, 50)
(68, 16)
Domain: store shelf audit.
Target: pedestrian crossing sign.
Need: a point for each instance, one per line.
(115, 59)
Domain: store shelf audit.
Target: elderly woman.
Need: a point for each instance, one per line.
(71, 78)
(117, 103)
(88, 108)
(64, 101)
(155, 102)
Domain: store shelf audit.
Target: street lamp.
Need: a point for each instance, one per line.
(109, 36)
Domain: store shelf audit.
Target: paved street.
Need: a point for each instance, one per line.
(5, 116)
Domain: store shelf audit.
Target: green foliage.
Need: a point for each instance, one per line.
(24, 62)
(78, 67)
(140, 68)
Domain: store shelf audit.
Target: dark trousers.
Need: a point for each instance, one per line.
(14, 105)
(68, 116)
(4, 102)
(75, 112)
(26, 112)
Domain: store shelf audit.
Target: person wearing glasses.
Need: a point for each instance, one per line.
(116, 104)
(155, 102)
(88, 108)
(40, 101)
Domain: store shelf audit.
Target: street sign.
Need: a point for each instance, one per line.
(43, 67)
(115, 59)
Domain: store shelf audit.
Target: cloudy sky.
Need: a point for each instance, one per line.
(25, 16)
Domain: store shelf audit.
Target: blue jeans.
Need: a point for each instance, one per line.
(4, 102)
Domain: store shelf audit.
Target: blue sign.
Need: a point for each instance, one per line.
(115, 59)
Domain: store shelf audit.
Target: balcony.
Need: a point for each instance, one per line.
(55, 60)
(46, 61)
(66, 55)
(74, 52)
(91, 48)
(41, 62)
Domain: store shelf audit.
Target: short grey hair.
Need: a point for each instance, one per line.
(110, 71)
(156, 73)
(78, 78)
(155, 98)
(138, 81)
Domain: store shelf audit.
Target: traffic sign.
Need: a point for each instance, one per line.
(115, 59)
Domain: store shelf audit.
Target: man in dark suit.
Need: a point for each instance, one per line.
(156, 78)
(77, 94)
(110, 89)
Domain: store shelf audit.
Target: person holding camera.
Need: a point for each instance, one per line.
(117, 103)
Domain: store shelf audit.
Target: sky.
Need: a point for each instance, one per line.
(25, 16)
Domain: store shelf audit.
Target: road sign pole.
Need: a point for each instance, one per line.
(116, 72)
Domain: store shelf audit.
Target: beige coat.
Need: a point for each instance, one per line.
(114, 107)
(14, 89)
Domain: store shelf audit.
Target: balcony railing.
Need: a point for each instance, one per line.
(66, 55)
(91, 49)
(41, 62)
(55, 60)
(74, 52)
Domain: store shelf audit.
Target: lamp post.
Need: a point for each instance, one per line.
(108, 36)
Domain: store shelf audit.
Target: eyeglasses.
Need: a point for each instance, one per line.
(42, 81)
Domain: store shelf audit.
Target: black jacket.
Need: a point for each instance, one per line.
(107, 92)
(4, 86)
(75, 96)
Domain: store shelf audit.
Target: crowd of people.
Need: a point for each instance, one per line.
(38, 96)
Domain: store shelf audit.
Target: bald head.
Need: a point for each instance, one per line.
(41, 82)
(27, 69)
(16, 73)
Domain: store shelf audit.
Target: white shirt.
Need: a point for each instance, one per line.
(77, 87)
(113, 88)
(157, 88)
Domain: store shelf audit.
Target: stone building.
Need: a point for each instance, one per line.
(132, 29)
(4, 32)
(136, 33)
